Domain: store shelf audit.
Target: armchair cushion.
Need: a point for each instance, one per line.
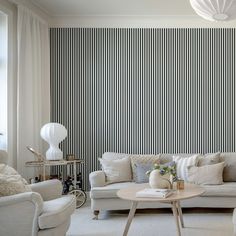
(57, 211)
(20, 211)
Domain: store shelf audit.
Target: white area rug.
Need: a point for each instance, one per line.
(198, 222)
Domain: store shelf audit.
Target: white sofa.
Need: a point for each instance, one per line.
(103, 195)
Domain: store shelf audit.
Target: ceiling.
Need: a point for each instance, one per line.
(115, 7)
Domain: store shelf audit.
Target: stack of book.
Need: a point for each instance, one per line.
(154, 193)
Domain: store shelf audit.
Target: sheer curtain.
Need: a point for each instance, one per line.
(33, 98)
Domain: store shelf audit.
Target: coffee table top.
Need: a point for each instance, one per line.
(189, 191)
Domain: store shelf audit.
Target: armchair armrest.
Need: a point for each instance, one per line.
(19, 214)
(49, 189)
(97, 179)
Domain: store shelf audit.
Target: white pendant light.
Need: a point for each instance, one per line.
(215, 10)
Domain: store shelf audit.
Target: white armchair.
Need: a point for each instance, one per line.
(43, 212)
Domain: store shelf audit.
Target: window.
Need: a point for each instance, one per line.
(3, 81)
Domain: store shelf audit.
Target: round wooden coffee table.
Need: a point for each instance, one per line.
(190, 191)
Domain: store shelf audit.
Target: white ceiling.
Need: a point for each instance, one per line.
(115, 7)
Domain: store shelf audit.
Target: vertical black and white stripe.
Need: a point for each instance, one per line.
(143, 90)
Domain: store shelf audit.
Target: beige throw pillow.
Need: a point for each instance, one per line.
(116, 170)
(183, 162)
(11, 182)
(7, 170)
(137, 160)
(208, 174)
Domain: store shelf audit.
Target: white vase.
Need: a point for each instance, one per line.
(156, 180)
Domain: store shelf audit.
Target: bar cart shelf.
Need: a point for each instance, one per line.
(45, 165)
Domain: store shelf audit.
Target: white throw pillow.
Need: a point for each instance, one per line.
(183, 162)
(117, 170)
(208, 174)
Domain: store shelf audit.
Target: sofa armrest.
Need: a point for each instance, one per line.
(49, 189)
(19, 214)
(97, 179)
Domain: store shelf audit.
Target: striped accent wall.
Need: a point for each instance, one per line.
(143, 91)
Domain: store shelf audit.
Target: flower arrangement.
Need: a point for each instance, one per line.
(168, 168)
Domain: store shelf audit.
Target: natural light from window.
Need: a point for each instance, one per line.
(3, 81)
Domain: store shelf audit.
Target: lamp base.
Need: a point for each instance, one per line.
(54, 154)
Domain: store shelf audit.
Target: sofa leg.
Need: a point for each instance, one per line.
(96, 213)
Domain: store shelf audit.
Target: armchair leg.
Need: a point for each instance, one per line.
(96, 213)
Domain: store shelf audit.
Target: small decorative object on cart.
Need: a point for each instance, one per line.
(162, 176)
(70, 157)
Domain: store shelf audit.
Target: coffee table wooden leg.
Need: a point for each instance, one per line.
(180, 213)
(130, 217)
(175, 213)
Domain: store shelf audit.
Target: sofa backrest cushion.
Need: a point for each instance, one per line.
(168, 157)
(114, 155)
(229, 158)
(209, 159)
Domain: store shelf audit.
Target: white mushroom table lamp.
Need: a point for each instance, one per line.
(53, 134)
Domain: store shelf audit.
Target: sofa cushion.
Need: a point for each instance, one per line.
(207, 174)
(209, 159)
(225, 190)
(56, 211)
(229, 173)
(110, 190)
(118, 170)
(142, 159)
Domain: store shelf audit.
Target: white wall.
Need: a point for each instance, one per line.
(138, 22)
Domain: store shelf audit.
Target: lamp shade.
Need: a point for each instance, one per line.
(53, 133)
(215, 10)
